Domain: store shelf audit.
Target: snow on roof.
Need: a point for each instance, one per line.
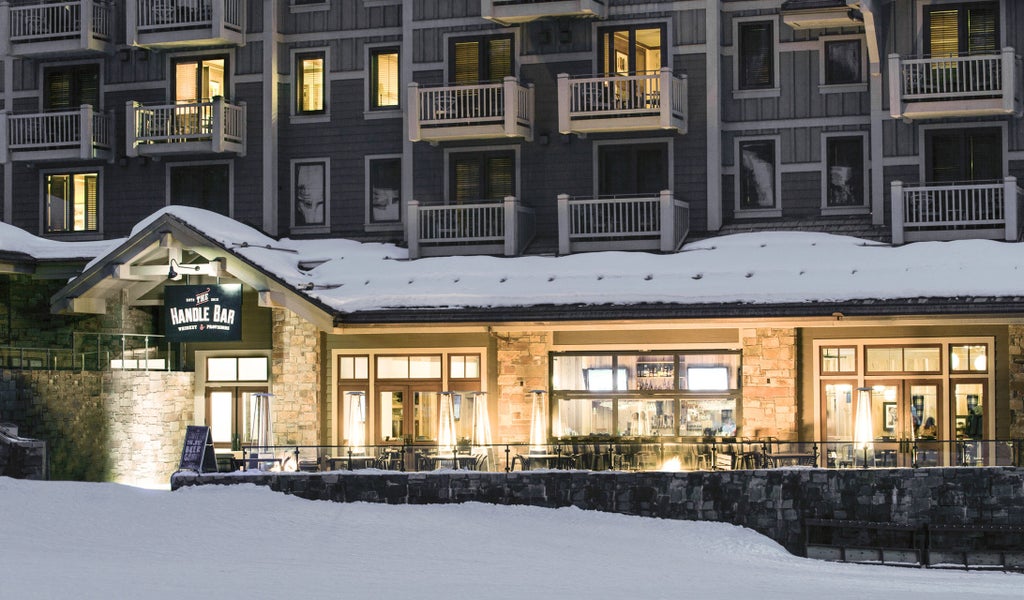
(16, 240)
(758, 268)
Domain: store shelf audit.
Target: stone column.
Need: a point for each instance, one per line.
(1016, 368)
(769, 406)
(295, 379)
(522, 367)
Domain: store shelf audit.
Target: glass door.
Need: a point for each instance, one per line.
(922, 422)
(407, 415)
(227, 415)
(839, 409)
(970, 397)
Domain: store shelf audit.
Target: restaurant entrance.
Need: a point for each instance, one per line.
(408, 414)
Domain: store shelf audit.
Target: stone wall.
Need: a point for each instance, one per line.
(296, 379)
(773, 502)
(1016, 396)
(522, 367)
(125, 426)
(769, 405)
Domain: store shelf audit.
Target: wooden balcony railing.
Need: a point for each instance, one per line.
(58, 27)
(644, 223)
(653, 100)
(73, 134)
(989, 79)
(217, 126)
(481, 228)
(940, 211)
(474, 111)
(166, 22)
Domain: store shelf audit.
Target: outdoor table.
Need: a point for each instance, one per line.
(551, 461)
(441, 461)
(779, 459)
(351, 462)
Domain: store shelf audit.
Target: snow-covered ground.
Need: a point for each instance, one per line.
(87, 540)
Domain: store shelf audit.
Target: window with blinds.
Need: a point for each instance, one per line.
(482, 176)
(964, 154)
(756, 55)
(199, 80)
(488, 59)
(309, 69)
(962, 29)
(72, 202)
(70, 87)
(384, 80)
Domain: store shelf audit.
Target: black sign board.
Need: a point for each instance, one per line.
(197, 453)
(203, 313)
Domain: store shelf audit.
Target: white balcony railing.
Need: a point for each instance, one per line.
(940, 211)
(645, 223)
(954, 85)
(476, 111)
(653, 100)
(56, 27)
(215, 126)
(170, 22)
(509, 12)
(480, 228)
(72, 134)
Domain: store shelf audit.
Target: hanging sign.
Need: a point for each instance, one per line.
(197, 453)
(203, 313)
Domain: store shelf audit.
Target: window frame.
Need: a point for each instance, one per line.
(313, 116)
(776, 209)
(865, 205)
(604, 64)
(294, 164)
(824, 87)
(923, 7)
(198, 57)
(370, 109)
(70, 64)
(669, 157)
(88, 234)
(449, 59)
(202, 163)
(368, 223)
(924, 132)
(479, 150)
(771, 90)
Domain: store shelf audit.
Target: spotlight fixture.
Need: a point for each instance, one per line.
(172, 274)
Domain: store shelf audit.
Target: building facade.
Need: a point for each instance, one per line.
(524, 128)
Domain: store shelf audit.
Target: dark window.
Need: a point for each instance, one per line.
(72, 202)
(309, 84)
(632, 169)
(757, 175)
(845, 171)
(488, 59)
(201, 186)
(384, 80)
(385, 190)
(71, 87)
(964, 154)
(958, 29)
(632, 50)
(756, 55)
(311, 201)
(843, 62)
(482, 176)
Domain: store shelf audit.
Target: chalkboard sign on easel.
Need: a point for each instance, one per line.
(197, 454)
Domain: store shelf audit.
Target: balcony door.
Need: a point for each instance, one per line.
(68, 87)
(963, 154)
(480, 60)
(199, 79)
(477, 176)
(632, 50)
(961, 29)
(632, 169)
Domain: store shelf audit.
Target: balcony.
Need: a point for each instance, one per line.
(956, 211)
(509, 12)
(184, 23)
(819, 14)
(611, 103)
(215, 126)
(955, 86)
(503, 228)
(660, 223)
(81, 134)
(471, 112)
(61, 28)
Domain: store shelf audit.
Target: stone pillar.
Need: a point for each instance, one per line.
(295, 379)
(1016, 368)
(522, 367)
(769, 406)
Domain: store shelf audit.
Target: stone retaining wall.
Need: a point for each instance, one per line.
(773, 502)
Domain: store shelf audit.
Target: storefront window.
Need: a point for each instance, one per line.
(707, 417)
(969, 358)
(909, 359)
(646, 417)
(582, 417)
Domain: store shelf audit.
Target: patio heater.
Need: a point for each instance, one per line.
(863, 430)
(355, 421)
(539, 422)
(481, 421)
(446, 426)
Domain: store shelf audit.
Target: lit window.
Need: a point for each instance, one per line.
(310, 84)
(71, 202)
(384, 91)
(354, 367)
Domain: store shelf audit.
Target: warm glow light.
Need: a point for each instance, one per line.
(863, 435)
(538, 422)
(890, 395)
(446, 427)
(980, 363)
(672, 465)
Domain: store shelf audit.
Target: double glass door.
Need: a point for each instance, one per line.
(407, 414)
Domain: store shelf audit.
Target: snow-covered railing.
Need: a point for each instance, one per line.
(645, 223)
(956, 210)
(217, 122)
(983, 76)
(83, 131)
(508, 106)
(659, 97)
(480, 228)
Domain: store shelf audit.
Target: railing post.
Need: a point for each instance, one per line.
(895, 87)
(668, 227)
(131, 130)
(896, 198)
(131, 17)
(217, 16)
(5, 28)
(217, 128)
(510, 104)
(243, 129)
(563, 224)
(85, 21)
(414, 111)
(511, 226)
(85, 131)
(4, 140)
(665, 98)
(413, 229)
(1010, 207)
(564, 103)
(1008, 71)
